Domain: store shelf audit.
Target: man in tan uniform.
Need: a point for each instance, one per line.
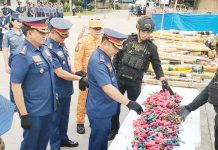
(83, 51)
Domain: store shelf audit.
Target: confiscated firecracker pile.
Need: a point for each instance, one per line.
(158, 126)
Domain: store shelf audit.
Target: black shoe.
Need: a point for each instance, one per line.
(80, 129)
(112, 135)
(70, 144)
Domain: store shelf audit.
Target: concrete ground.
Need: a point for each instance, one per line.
(120, 21)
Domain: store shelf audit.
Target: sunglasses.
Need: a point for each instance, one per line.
(97, 29)
(63, 36)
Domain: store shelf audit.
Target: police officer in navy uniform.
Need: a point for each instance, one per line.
(33, 84)
(64, 85)
(208, 94)
(131, 63)
(104, 96)
(4, 25)
(12, 40)
(20, 10)
(7, 12)
(31, 10)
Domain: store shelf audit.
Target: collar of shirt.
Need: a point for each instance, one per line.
(31, 47)
(106, 57)
(13, 32)
(92, 38)
(55, 45)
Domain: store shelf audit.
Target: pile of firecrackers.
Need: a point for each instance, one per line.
(158, 126)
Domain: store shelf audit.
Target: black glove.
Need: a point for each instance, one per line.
(165, 86)
(81, 73)
(135, 106)
(83, 84)
(26, 122)
(184, 112)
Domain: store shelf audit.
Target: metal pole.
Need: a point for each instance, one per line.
(70, 5)
(95, 5)
(162, 16)
(114, 4)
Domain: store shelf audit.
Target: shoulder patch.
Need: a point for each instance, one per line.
(101, 58)
(23, 50)
(50, 45)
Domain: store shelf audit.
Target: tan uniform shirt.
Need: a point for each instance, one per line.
(85, 47)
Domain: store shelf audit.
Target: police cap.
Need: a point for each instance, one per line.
(38, 23)
(15, 16)
(61, 26)
(116, 38)
(145, 23)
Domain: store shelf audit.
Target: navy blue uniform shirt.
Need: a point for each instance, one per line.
(100, 72)
(33, 68)
(13, 40)
(20, 9)
(61, 59)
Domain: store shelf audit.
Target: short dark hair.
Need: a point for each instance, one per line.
(25, 28)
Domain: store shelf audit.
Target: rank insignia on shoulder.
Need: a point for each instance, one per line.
(101, 59)
(60, 53)
(50, 45)
(23, 51)
(77, 47)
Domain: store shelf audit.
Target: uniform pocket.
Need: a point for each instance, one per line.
(128, 73)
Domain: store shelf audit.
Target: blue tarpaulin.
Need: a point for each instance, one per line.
(187, 22)
(6, 114)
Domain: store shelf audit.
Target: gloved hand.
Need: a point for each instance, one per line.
(135, 106)
(83, 84)
(165, 86)
(26, 122)
(81, 73)
(184, 112)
